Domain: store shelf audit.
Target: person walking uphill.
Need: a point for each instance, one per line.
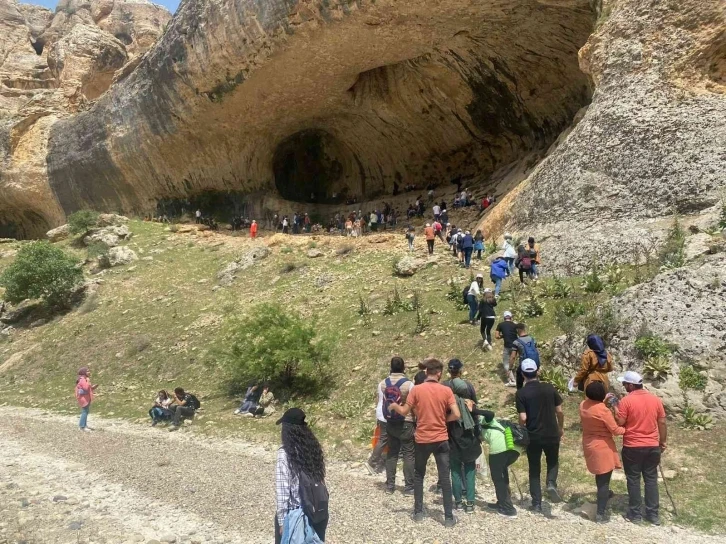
(472, 297)
(540, 408)
(596, 363)
(510, 253)
(463, 439)
(433, 405)
(430, 237)
(487, 316)
(507, 331)
(601, 456)
(399, 429)
(524, 347)
(299, 483)
(467, 245)
(497, 272)
(500, 458)
(84, 395)
(646, 432)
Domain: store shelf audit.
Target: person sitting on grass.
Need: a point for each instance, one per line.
(265, 405)
(161, 410)
(186, 407)
(249, 404)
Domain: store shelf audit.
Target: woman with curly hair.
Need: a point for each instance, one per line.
(300, 453)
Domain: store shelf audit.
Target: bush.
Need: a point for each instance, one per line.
(530, 307)
(555, 375)
(602, 320)
(423, 321)
(562, 289)
(722, 217)
(690, 378)
(43, 271)
(649, 346)
(82, 221)
(364, 310)
(657, 367)
(592, 282)
(281, 348)
(96, 249)
(693, 420)
(673, 252)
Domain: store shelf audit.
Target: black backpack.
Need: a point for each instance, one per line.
(465, 294)
(520, 435)
(314, 498)
(194, 402)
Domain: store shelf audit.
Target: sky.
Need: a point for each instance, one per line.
(171, 5)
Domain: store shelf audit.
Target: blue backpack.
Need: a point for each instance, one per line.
(530, 351)
(391, 394)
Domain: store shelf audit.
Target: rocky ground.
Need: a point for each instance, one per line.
(127, 483)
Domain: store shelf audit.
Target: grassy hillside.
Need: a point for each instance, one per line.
(160, 323)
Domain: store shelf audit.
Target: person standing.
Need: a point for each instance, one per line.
(540, 408)
(373, 221)
(84, 395)
(198, 216)
(300, 453)
(376, 462)
(464, 444)
(500, 458)
(596, 363)
(410, 236)
(478, 244)
(439, 231)
(285, 225)
(430, 237)
(399, 429)
(601, 455)
(535, 254)
(510, 253)
(523, 263)
(472, 297)
(433, 405)
(507, 331)
(643, 416)
(253, 229)
(467, 245)
(437, 212)
(498, 271)
(524, 347)
(488, 316)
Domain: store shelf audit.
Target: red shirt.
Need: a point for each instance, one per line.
(641, 411)
(431, 402)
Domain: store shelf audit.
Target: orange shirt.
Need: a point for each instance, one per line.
(598, 428)
(429, 232)
(431, 402)
(641, 411)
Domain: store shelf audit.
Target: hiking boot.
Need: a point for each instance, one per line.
(154, 423)
(637, 521)
(510, 514)
(493, 505)
(653, 520)
(535, 508)
(417, 517)
(408, 490)
(553, 494)
(449, 522)
(469, 508)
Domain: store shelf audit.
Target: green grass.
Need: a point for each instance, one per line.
(161, 325)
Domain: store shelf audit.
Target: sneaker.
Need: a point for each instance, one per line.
(248, 414)
(408, 490)
(237, 412)
(369, 467)
(174, 428)
(601, 518)
(493, 506)
(637, 521)
(449, 522)
(417, 517)
(154, 423)
(85, 429)
(458, 505)
(469, 508)
(511, 384)
(653, 520)
(390, 490)
(489, 346)
(510, 514)
(535, 508)
(553, 494)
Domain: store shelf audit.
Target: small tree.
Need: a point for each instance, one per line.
(44, 271)
(279, 347)
(81, 222)
(673, 252)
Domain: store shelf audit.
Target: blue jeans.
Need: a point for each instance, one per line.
(84, 416)
(510, 264)
(248, 406)
(467, 255)
(534, 269)
(497, 284)
(158, 414)
(473, 306)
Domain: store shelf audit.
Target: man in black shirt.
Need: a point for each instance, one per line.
(540, 408)
(507, 330)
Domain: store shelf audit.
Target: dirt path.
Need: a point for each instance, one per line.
(126, 483)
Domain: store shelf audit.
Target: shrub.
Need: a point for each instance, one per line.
(286, 250)
(690, 378)
(423, 321)
(530, 307)
(491, 247)
(364, 310)
(82, 221)
(657, 367)
(592, 282)
(96, 249)
(555, 375)
(673, 252)
(722, 217)
(279, 347)
(397, 304)
(573, 308)
(602, 320)
(562, 289)
(649, 346)
(44, 271)
(694, 420)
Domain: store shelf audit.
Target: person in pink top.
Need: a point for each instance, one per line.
(84, 396)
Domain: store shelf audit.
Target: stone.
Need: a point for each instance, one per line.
(111, 220)
(168, 538)
(669, 474)
(227, 275)
(314, 253)
(111, 235)
(408, 266)
(38, 323)
(697, 245)
(59, 233)
(60, 498)
(75, 526)
(587, 510)
(118, 256)
(22, 312)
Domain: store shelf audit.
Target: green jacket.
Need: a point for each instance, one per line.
(493, 435)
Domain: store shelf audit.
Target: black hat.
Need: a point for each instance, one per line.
(455, 365)
(294, 416)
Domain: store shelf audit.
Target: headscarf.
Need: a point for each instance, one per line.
(83, 371)
(595, 343)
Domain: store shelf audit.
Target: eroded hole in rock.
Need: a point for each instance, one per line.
(38, 45)
(124, 38)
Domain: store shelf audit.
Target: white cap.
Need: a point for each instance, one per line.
(487, 290)
(631, 377)
(480, 276)
(528, 365)
(507, 235)
(507, 314)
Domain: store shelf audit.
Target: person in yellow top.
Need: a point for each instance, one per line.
(596, 364)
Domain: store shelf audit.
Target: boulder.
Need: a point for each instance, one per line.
(697, 245)
(118, 256)
(59, 233)
(315, 253)
(22, 312)
(111, 219)
(228, 274)
(111, 236)
(408, 266)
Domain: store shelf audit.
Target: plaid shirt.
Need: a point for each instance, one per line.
(287, 487)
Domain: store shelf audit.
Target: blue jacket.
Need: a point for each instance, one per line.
(296, 529)
(467, 242)
(499, 269)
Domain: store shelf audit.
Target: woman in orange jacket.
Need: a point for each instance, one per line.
(596, 364)
(601, 456)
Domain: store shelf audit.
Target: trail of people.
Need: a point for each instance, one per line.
(127, 483)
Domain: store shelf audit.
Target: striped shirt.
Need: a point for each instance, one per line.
(287, 487)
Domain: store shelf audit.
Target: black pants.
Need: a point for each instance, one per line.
(377, 460)
(551, 451)
(440, 451)
(637, 462)
(430, 243)
(180, 412)
(400, 441)
(519, 377)
(319, 529)
(486, 328)
(499, 469)
(602, 481)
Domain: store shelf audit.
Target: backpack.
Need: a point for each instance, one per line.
(465, 294)
(391, 394)
(194, 402)
(314, 498)
(525, 263)
(514, 434)
(530, 351)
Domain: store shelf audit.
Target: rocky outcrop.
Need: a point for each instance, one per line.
(118, 256)
(249, 258)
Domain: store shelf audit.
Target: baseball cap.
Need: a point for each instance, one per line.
(528, 365)
(631, 377)
(293, 416)
(480, 276)
(455, 365)
(507, 314)
(487, 290)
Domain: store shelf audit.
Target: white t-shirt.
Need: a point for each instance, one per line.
(379, 406)
(199, 213)
(474, 288)
(437, 209)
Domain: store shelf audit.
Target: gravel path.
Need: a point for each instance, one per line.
(128, 483)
